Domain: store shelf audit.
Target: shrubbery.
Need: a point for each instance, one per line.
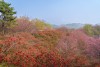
(52, 48)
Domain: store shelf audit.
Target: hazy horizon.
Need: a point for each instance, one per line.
(59, 11)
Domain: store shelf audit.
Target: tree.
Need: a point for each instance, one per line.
(88, 29)
(41, 25)
(7, 18)
(97, 30)
(24, 25)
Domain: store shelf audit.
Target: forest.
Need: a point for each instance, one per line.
(36, 43)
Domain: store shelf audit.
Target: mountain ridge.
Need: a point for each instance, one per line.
(70, 25)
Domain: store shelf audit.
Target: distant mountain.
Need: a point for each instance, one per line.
(75, 25)
(55, 26)
(71, 25)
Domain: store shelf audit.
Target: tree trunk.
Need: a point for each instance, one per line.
(3, 28)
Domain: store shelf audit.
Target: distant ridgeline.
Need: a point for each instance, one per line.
(74, 25)
(71, 25)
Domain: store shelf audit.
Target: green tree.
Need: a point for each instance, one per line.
(7, 18)
(41, 25)
(89, 30)
(97, 30)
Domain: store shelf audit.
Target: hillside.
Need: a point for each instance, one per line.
(26, 42)
(27, 46)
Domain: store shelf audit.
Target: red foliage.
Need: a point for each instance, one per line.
(24, 25)
(52, 48)
(24, 51)
(48, 38)
(37, 56)
(78, 44)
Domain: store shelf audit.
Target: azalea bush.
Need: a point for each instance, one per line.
(23, 51)
(49, 48)
(23, 24)
(79, 45)
(48, 38)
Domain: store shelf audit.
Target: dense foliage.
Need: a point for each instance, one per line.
(41, 25)
(92, 30)
(49, 48)
(34, 43)
(7, 17)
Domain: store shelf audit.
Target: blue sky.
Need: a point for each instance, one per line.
(59, 11)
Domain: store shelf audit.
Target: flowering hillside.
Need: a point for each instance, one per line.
(59, 47)
(36, 43)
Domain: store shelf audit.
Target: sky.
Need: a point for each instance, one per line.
(59, 11)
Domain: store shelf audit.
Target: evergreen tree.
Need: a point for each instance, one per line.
(7, 18)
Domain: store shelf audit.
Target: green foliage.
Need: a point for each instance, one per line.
(92, 30)
(41, 25)
(89, 29)
(7, 18)
(97, 30)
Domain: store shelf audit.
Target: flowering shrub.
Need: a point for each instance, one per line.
(49, 38)
(50, 48)
(79, 45)
(23, 51)
(23, 24)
